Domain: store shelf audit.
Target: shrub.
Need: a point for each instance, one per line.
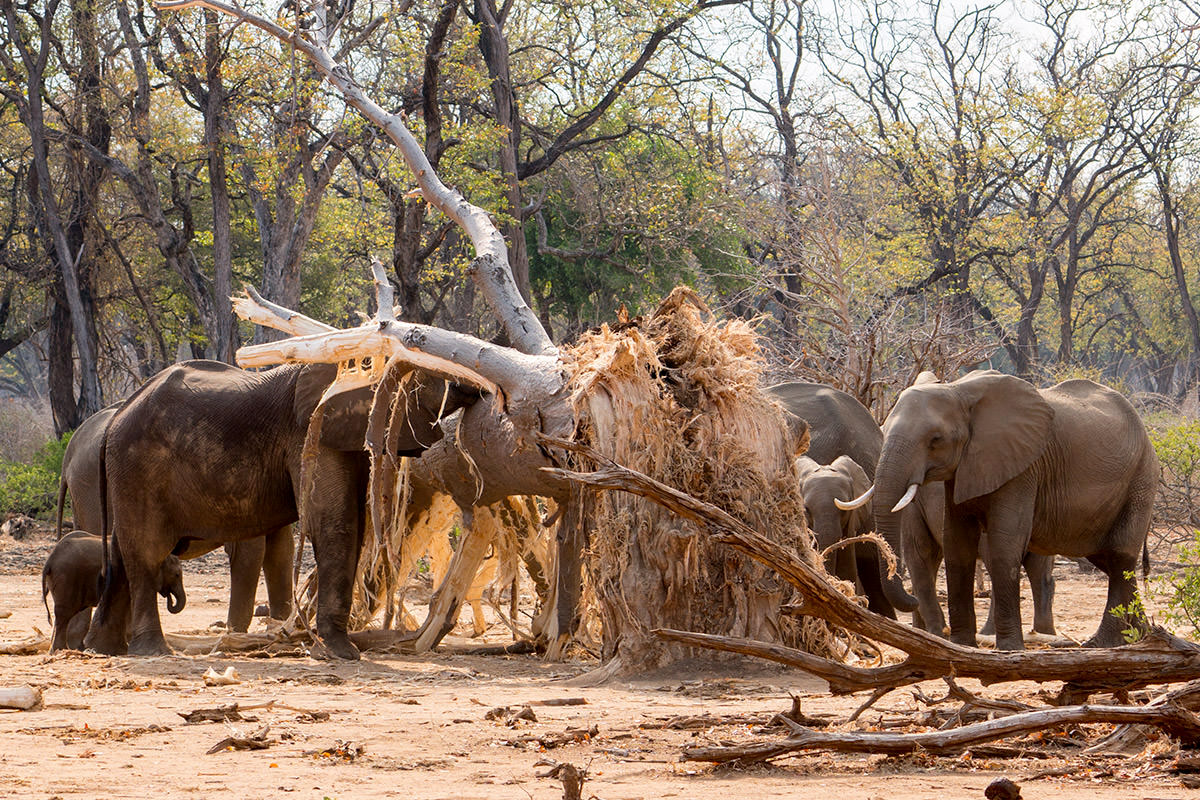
(31, 487)
(1177, 443)
(1179, 590)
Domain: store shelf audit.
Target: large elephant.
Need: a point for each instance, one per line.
(1066, 470)
(205, 453)
(843, 433)
(271, 555)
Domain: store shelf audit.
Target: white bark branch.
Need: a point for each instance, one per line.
(490, 270)
(257, 309)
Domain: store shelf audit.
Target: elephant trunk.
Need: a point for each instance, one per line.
(176, 598)
(893, 479)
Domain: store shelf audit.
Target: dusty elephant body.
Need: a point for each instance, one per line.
(271, 554)
(1067, 470)
(73, 576)
(244, 434)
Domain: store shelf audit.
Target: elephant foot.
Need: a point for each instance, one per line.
(1103, 638)
(1010, 642)
(104, 642)
(338, 645)
(149, 644)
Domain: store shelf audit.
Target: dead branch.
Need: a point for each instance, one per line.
(1158, 658)
(1173, 718)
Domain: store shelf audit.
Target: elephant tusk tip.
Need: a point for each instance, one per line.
(858, 502)
(906, 499)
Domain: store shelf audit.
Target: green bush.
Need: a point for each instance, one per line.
(32, 487)
(1179, 590)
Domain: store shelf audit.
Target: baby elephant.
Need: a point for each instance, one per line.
(74, 574)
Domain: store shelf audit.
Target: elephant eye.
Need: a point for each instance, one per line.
(935, 440)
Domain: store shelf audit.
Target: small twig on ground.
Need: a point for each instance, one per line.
(875, 697)
(255, 741)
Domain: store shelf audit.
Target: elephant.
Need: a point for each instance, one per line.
(73, 574)
(205, 453)
(844, 439)
(271, 555)
(1066, 470)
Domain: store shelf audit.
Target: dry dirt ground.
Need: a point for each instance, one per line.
(415, 727)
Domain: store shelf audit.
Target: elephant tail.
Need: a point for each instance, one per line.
(62, 496)
(1145, 561)
(104, 521)
(45, 591)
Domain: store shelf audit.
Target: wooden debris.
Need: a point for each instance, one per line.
(550, 741)
(1172, 717)
(510, 717)
(339, 750)
(233, 713)
(255, 741)
(572, 778)
(39, 643)
(228, 713)
(226, 678)
(22, 698)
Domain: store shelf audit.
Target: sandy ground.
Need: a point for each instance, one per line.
(415, 727)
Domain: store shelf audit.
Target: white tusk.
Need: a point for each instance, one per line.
(908, 496)
(849, 505)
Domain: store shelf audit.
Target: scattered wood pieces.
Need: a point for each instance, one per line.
(510, 717)
(233, 713)
(696, 722)
(21, 698)
(226, 678)
(255, 741)
(5, 614)
(228, 713)
(550, 741)
(339, 750)
(559, 701)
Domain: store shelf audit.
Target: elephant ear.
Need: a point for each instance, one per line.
(1009, 428)
(344, 419)
(861, 518)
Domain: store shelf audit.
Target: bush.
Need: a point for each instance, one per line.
(1177, 443)
(31, 487)
(1179, 590)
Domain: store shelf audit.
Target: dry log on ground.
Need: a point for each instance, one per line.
(1173, 718)
(1159, 658)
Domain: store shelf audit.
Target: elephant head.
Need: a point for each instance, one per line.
(171, 584)
(976, 433)
(821, 486)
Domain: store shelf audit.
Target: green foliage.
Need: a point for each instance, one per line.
(32, 487)
(1133, 616)
(1177, 444)
(1179, 591)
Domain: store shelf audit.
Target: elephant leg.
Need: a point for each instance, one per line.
(961, 546)
(277, 571)
(245, 563)
(924, 556)
(109, 629)
(64, 614)
(76, 628)
(336, 516)
(1122, 590)
(1040, 570)
(146, 636)
(1008, 528)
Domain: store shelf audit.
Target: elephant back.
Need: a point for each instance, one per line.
(839, 425)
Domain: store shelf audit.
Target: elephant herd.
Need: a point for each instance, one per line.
(988, 467)
(205, 455)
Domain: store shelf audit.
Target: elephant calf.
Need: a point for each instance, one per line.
(74, 573)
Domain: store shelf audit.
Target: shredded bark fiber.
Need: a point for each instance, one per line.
(678, 397)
